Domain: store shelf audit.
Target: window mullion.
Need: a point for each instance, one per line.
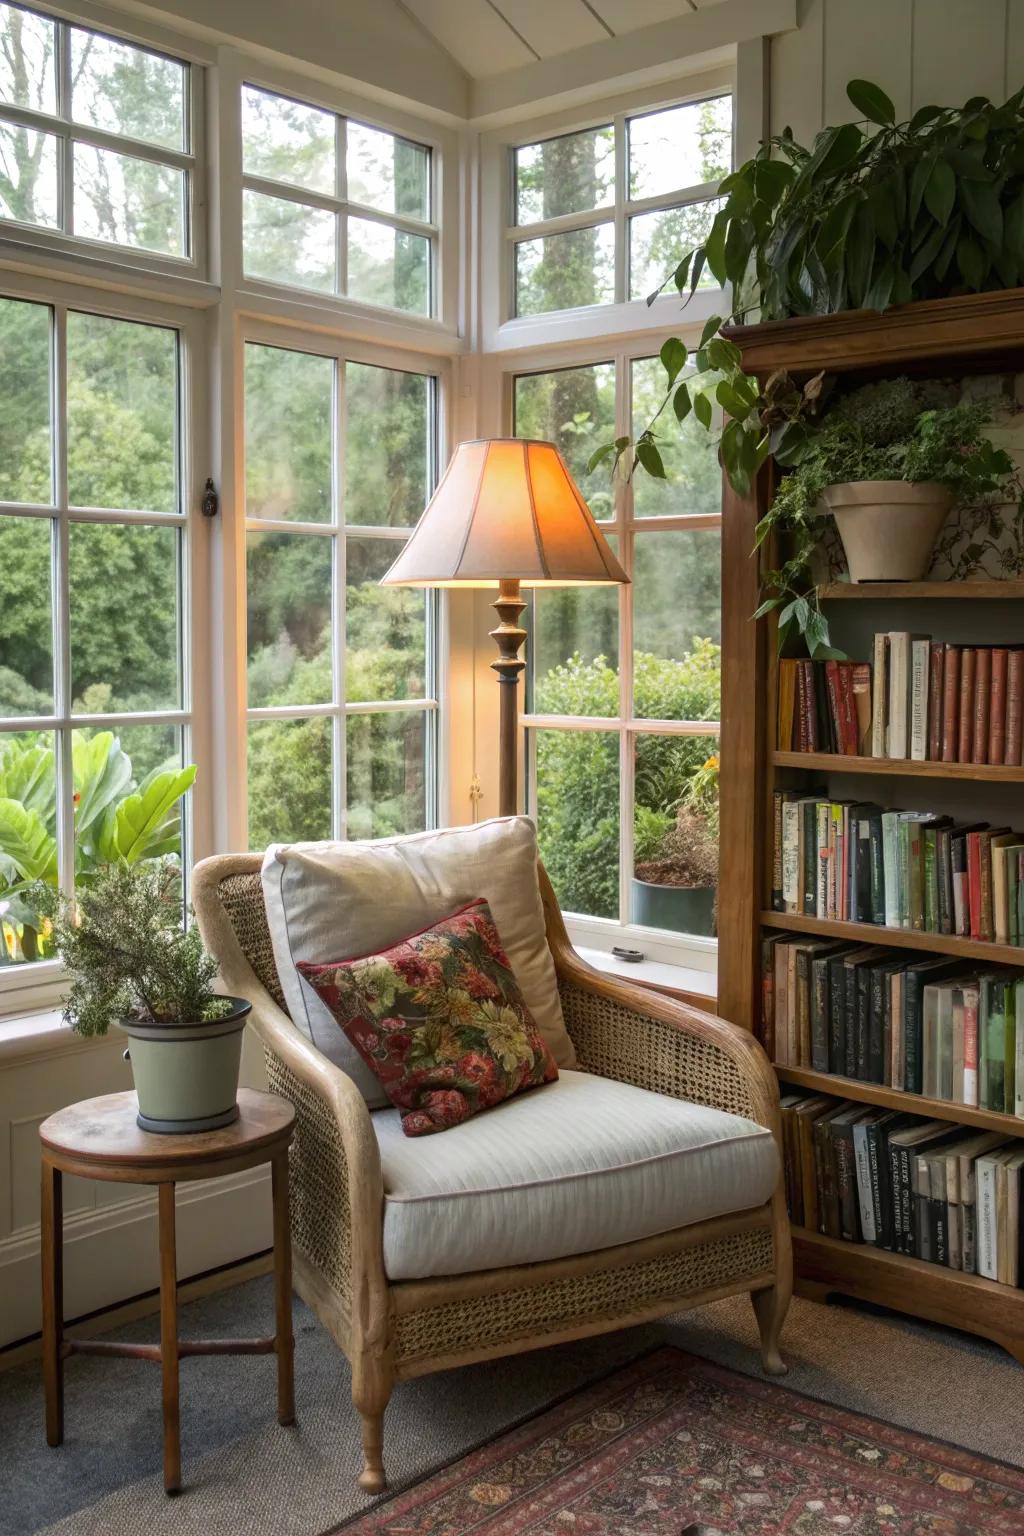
(66, 175)
(341, 219)
(62, 607)
(621, 195)
(338, 621)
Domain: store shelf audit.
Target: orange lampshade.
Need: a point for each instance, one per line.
(506, 508)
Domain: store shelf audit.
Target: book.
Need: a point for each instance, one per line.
(879, 696)
(960, 1156)
(920, 684)
(950, 703)
(936, 668)
(860, 687)
(997, 714)
(986, 1215)
(898, 733)
(1014, 708)
(982, 703)
(786, 706)
(965, 736)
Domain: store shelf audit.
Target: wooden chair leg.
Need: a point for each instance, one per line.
(52, 1260)
(169, 1340)
(284, 1339)
(772, 1304)
(372, 1380)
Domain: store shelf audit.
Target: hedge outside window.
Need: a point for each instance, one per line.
(95, 138)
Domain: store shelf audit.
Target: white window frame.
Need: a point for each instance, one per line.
(502, 328)
(693, 951)
(63, 242)
(37, 984)
(342, 351)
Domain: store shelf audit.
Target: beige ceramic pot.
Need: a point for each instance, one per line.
(888, 527)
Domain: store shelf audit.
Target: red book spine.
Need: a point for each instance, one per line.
(810, 705)
(801, 709)
(1014, 708)
(982, 701)
(832, 689)
(974, 882)
(950, 703)
(847, 709)
(936, 663)
(997, 710)
(965, 738)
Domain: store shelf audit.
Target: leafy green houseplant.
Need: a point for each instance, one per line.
(132, 961)
(874, 212)
(676, 871)
(119, 815)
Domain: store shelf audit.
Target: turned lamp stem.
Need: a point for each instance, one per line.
(508, 636)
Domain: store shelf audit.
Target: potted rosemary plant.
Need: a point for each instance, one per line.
(131, 961)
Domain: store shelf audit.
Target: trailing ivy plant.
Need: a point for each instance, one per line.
(873, 213)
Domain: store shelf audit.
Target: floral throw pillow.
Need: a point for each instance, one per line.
(440, 1019)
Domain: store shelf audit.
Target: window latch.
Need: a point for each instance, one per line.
(210, 504)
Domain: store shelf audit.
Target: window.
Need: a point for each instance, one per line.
(94, 707)
(623, 689)
(340, 462)
(602, 215)
(335, 206)
(95, 137)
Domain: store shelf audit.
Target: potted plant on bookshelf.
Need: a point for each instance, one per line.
(131, 960)
(675, 881)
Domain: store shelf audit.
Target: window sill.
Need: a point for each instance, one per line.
(33, 1036)
(678, 981)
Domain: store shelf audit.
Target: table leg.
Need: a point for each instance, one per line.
(169, 1340)
(52, 1258)
(284, 1342)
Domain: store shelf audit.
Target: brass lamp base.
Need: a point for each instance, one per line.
(509, 637)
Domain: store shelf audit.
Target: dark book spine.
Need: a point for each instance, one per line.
(912, 1062)
(905, 1165)
(828, 1219)
(897, 1205)
(936, 666)
(938, 1223)
(944, 873)
(878, 1169)
(819, 1014)
(824, 735)
(863, 1049)
(876, 1061)
(846, 1183)
(836, 1016)
(922, 1226)
(850, 1054)
(809, 846)
(777, 902)
(877, 868)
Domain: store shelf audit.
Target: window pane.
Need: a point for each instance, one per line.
(693, 477)
(124, 631)
(387, 446)
(290, 763)
(659, 241)
(675, 833)
(575, 408)
(677, 624)
(286, 242)
(565, 271)
(127, 90)
(388, 266)
(289, 408)
(388, 173)
(386, 656)
(386, 782)
(578, 818)
(122, 414)
(25, 448)
(26, 635)
(28, 839)
(109, 765)
(573, 650)
(288, 595)
(28, 176)
(28, 75)
(571, 174)
(287, 141)
(682, 147)
(127, 201)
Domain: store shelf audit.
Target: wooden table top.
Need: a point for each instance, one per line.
(104, 1132)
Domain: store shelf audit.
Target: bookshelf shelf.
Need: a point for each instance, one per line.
(900, 591)
(894, 1098)
(826, 1264)
(898, 938)
(898, 767)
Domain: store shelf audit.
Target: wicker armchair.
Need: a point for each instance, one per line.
(394, 1330)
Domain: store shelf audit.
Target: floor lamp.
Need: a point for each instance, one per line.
(506, 514)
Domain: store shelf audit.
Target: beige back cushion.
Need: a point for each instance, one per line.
(336, 901)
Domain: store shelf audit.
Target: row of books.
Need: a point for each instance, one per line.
(918, 698)
(852, 861)
(924, 1024)
(924, 1188)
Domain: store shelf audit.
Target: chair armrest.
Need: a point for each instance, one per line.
(623, 1031)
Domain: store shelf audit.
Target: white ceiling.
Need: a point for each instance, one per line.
(488, 36)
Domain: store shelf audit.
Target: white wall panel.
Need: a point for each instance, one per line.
(866, 40)
(797, 61)
(959, 50)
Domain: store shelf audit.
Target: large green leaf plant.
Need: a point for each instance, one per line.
(117, 820)
(875, 212)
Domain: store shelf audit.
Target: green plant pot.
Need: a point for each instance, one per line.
(186, 1075)
(683, 909)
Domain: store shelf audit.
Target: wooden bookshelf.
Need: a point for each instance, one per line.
(954, 337)
(898, 767)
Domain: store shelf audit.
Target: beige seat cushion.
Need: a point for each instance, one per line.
(581, 1163)
(337, 901)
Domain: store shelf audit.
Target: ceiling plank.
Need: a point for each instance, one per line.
(553, 26)
(474, 33)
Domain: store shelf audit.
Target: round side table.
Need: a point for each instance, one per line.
(100, 1139)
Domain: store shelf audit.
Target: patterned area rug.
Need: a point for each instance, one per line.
(673, 1439)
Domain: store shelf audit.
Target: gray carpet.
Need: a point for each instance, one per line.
(245, 1476)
